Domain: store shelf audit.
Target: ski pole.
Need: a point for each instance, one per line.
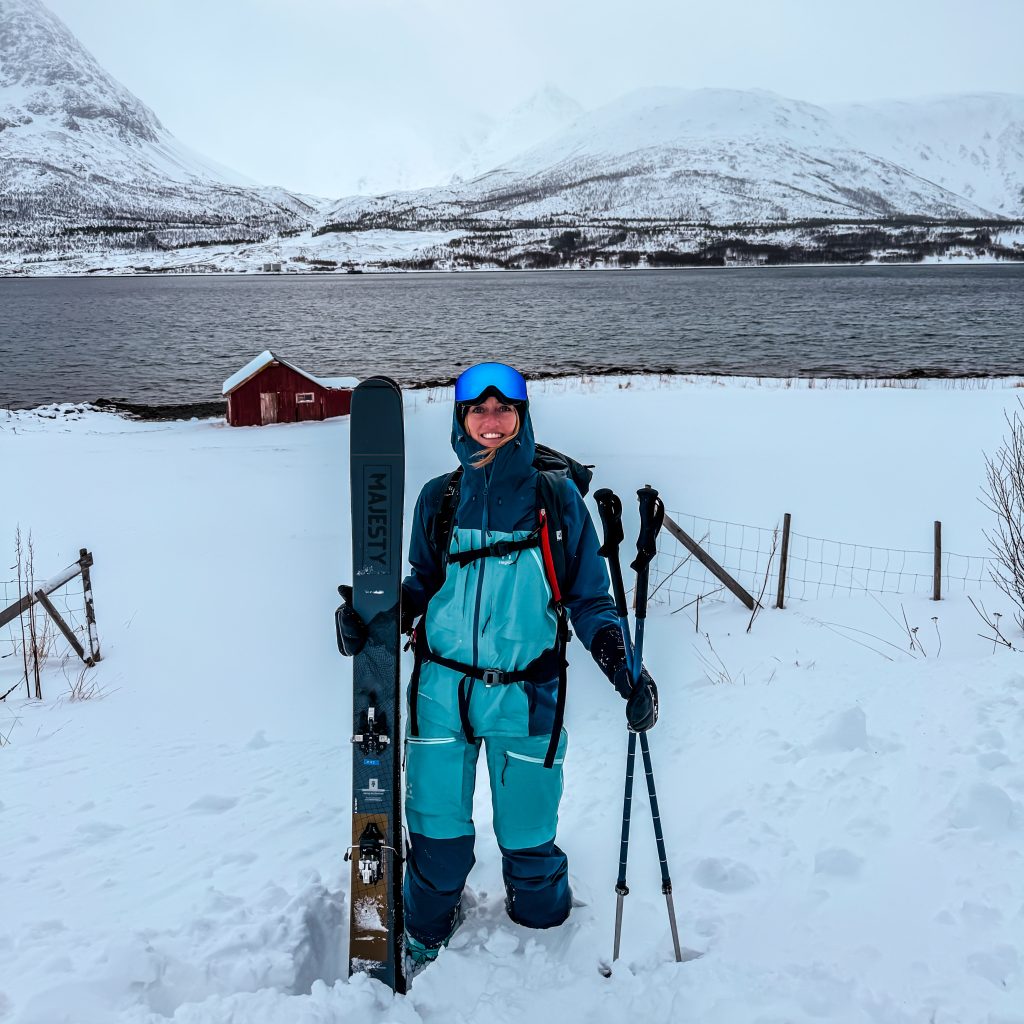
(610, 508)
(652, 515)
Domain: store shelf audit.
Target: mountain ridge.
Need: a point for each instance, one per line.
(86, 168)
(82, 160)
(723, 156)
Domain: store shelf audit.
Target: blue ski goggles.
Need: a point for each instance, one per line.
(497, 378)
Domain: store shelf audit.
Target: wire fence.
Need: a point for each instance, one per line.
(46, 620)
(815, 566)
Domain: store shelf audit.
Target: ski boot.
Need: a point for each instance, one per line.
(419, 956)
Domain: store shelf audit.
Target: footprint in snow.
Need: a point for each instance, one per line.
(986, 808)
(724, 875)
(97, 831)
(239, 858)
(258, 742)
(979, 915)
(211, 804)
(848, 731)
(991, 738)
(501, 943)
(992, 759)
(997, 965)
(838, 862)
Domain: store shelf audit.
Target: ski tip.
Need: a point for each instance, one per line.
(604, 968)
(380, 381)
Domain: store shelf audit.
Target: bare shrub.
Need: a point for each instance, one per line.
(82, 684)
(758, 604)
(1004, 497)
(38, 633)
(6, 728)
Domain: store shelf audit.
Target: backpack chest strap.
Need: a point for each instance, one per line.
(499, 549)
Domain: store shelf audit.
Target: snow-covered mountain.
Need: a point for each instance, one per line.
(972, 145)
(88, 171)
(80, 154)
(543, 115)
(441, 145)
(726, 157)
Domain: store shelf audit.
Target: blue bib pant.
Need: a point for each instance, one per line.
(439, 810)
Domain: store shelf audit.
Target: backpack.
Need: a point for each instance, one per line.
(553, 466)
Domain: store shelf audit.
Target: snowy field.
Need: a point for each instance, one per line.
(844, 819)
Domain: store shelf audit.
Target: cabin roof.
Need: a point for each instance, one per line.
(265, 358)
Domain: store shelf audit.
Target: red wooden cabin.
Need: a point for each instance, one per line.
(271, 390)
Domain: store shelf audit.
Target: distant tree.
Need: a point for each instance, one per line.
(566, 243)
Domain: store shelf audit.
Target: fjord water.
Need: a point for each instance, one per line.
(173, 340)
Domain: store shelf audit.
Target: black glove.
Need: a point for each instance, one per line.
(609, 651)
(641, 700)
(350, 627)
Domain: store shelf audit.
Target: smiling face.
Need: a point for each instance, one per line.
(492, 422)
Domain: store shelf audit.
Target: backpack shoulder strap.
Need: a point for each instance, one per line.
(550, 498)
(443, 519)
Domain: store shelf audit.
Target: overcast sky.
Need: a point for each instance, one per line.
(312, 93)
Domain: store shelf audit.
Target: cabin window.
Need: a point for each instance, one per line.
(305, 397)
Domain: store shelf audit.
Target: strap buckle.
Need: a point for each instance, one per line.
(493, 677)
(500, 549)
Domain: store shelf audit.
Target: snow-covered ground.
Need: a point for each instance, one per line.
(844, 819)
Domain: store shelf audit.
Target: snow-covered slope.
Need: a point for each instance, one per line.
(79, 152)
(717, 155)
(545, 113)
(972, 145)
(843, 809)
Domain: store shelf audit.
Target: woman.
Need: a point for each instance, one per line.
(489, 660)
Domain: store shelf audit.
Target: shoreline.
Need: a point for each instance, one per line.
(227, 275)
(616, 378)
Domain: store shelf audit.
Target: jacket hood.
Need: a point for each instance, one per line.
(514, 460)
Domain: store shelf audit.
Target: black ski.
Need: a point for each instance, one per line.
(378, 487)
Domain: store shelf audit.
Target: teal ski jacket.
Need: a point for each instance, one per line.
(498, 612)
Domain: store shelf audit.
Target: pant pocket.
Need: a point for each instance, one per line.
(438, 775)
(526, 800)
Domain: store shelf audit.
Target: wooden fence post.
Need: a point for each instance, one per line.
(707, 561)
(62, 626)
(85, 561)
(783, 562)
(937, 580)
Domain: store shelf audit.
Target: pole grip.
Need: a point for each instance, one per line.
(652, 516)
(610, 508)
